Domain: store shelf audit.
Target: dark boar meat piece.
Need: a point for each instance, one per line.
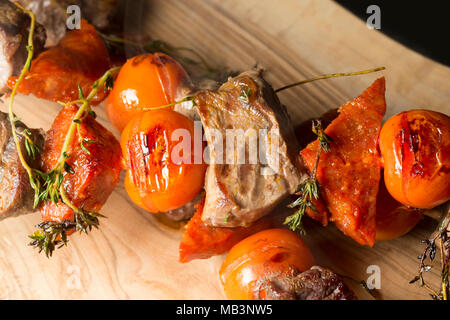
(316, 283)
(53, 17)
(98, 12)
(185, 212)
(14, 27)
(16, 195)
(241, 191)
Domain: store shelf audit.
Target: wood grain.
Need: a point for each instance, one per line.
(133, 256)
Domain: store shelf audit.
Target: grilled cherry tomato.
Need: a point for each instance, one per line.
(272, 252)
(144, 81)
(162, 172)
(393, 218)
(415, 146)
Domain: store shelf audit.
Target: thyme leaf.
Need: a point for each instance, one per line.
(324, 139)
(245, 95)
(309, 190)
(80, 92)
(68, 168)
(109, 83)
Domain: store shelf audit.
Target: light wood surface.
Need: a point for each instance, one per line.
(133, 256)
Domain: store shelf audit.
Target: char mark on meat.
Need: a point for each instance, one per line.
(16, 195)
(240, 192)
(14, 28)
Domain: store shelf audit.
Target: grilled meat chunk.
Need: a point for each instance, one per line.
(14, 27)
(16, 195)
(53, 16)
(316, 283)
(252, 149)
(96, 173)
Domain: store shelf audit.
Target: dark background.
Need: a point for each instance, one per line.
(423, 26)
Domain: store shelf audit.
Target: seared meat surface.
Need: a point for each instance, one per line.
(96, 174)
(16, 195)
(316, 283)
(14, 26)
(246, 179)
(53, 17)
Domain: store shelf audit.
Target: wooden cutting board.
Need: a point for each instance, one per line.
(133, 256)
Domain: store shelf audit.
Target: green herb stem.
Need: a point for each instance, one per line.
(332, 75)
(309, 190)
(30, 49)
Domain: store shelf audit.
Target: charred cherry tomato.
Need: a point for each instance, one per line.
(393, 218)
(145, 81)
(415, 146)
(269, 253)
(162, 172)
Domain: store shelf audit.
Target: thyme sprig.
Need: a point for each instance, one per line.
(51, 235)
(308, 190)
(324, 139)
(30, 146)
(153, 46)
(328, 76)
(45, 186)
(185, 99)
(441, 239)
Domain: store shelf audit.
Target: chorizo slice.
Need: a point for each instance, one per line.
(80, 58)
(349, 174)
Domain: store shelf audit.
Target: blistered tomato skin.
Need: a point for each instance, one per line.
(415, 146)
(272, 252)
(162, 172)
(145, 81)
